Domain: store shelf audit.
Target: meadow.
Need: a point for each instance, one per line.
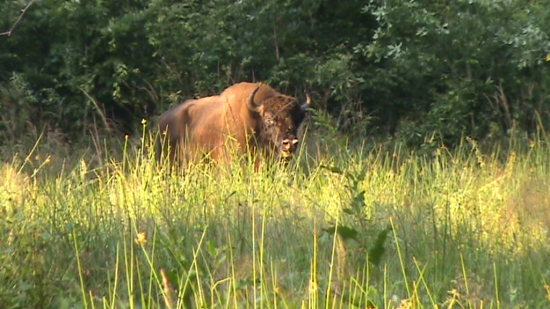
(346, 225)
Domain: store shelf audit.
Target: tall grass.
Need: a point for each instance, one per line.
(364, 227)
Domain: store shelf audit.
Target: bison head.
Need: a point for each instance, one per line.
(279, 116)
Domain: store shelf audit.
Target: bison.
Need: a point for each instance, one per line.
(249, 118)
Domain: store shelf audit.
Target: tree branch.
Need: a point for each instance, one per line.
(8, 33)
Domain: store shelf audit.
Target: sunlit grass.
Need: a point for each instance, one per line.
(342, 228)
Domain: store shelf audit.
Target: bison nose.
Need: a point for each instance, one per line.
(288, 143)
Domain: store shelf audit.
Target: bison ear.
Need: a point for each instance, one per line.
(251, 105)
(307, 104)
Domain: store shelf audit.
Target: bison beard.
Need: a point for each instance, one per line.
(250, 118)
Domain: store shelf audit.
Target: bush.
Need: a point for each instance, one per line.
(443, 66)
(475, 68)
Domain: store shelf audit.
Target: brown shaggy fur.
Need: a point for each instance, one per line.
(220, 124)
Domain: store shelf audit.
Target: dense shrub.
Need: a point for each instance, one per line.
(409, 68)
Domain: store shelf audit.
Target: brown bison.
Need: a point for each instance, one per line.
(246, 117)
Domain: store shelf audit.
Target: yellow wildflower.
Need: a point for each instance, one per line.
(141, 238)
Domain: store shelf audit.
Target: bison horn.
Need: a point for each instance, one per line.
(307, 104)
(251, 105)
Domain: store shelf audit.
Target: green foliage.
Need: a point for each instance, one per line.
(16, 117)
(442, 63)
(362, 232)
(409, 68)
